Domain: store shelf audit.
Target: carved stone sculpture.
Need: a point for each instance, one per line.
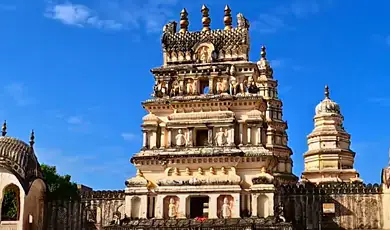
(200, 171)
(204, 55)
(242, 22)
(226, 211)
(189, 87)
(242, 87)
(188, 172)
(233, 86)
(175, 90)
(170, 27)
(172, 208)
(220, 138)
(219, 87)
(160, 89)
(225, 85)
(180, 138)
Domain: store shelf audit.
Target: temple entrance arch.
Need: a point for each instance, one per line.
(262, 206)
(198, 206)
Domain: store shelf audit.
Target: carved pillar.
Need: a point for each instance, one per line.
(236, 206)
(152, 139)
(249, 136)
(213, 206)
(270, 137)
(231, 136)
(145, 138)
(181, 83)
(210, 136)
(169, 144)
(254, 205)
(190, 140)
(182, 209)
(268, 111)
(144, 207)
(159, 211)
(211, 85)
(240, 129)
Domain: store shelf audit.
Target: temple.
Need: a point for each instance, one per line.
(214, 133)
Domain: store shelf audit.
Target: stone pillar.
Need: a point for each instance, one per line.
(128, 205)
(182, 210)
(181, 87)
(152, 139)
(145, 138)
(236, 206)
(169, 144)
(144, 207)
(259, 135)
(162, 138)
(213, 206)
(268, 111)
(159, 207)
(190, 137)
(254, 205)
(241, 130)
(210, 136)
(211, 85)
(231, 136)
(249, 136)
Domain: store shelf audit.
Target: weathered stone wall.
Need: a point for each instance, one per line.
(357, 206)
(94, 210)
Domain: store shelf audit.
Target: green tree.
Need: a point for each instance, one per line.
(9, 209)
(59, 187)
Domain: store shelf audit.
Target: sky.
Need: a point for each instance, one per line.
(76, 72)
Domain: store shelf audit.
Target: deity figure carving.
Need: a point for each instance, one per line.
(226, 211)
(219, 87)
(220, 138)
(232, 71)
(188, 172)
(212, 171)
(175, 90)
(116, 219)
(242, 86)
(160, 89)
(200, 171)
(252, 88)
(204, 55)
(180, 138)
(280, 213)
(233, 86)
(172, 208)
(242, 22)
(176, 172)
(223, 170)
(189, 138)
(225, 85)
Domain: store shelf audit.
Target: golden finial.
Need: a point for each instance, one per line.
(4, 129)
(326, 92)
(184, 21)
(263, 52)
(227, 19)
(32, 138)
(206, 19)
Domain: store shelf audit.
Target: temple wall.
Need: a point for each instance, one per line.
(355, 206)
(94, 210)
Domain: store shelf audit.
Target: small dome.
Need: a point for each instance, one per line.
(327, 105)
(150, 117)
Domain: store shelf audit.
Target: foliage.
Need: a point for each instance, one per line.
(58, 187)
(9, 209)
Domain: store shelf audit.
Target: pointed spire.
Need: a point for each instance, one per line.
(263, 52)
(4, 129)
(206, 19)
(227, 19)
(327, 92)
(184, 21)
(32, 138)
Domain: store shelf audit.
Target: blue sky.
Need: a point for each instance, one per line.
(76, 71)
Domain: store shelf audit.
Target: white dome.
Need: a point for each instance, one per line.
(327, 106)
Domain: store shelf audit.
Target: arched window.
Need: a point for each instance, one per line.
(11, 204)
(135, 207)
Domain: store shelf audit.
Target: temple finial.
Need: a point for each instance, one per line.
(32, 138)
(227, 19)
(205, 19)
(263, 52)
(4, 129)
(184, 21)
(326, 92)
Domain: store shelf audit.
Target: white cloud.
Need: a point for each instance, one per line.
(18, 92)
(79, 15)
(129, 136)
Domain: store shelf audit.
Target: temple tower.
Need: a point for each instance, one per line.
(329, 157)
(214, 139)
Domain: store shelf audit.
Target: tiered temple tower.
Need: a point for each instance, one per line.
(214, 139)
(329, 157)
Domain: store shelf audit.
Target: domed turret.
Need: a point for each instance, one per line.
(327, 106)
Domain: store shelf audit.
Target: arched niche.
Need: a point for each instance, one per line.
(167, 204)
(10, 203)
(135, 207)
(221, 205)
(262, 206)
(34, 205)
(204, 52)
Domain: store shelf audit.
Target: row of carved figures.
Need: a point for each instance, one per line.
(222, 85)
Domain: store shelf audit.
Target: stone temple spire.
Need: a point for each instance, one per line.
(329, 157)
(227, 19)
(184, 21)
(205, 19)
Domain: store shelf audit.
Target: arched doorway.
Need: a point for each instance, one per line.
(135, 207)
(10, 206)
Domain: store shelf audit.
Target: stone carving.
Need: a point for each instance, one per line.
(219, 86)
(191, 87)
(221, 137)
(280, 213)
(137, 181)
(116, 220)
(232, 71)
(386, 176)
(180, 139)
(212, 171)
(263, 178)
(172, 208)
(242, 22)
(175, 90)
(188, 172)
(233, 86)
(242, 86)
(200, 171)
(160, 89)
(226, 211)
(204, 55)
(170, 27)
(251, 86)
(223, 171)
